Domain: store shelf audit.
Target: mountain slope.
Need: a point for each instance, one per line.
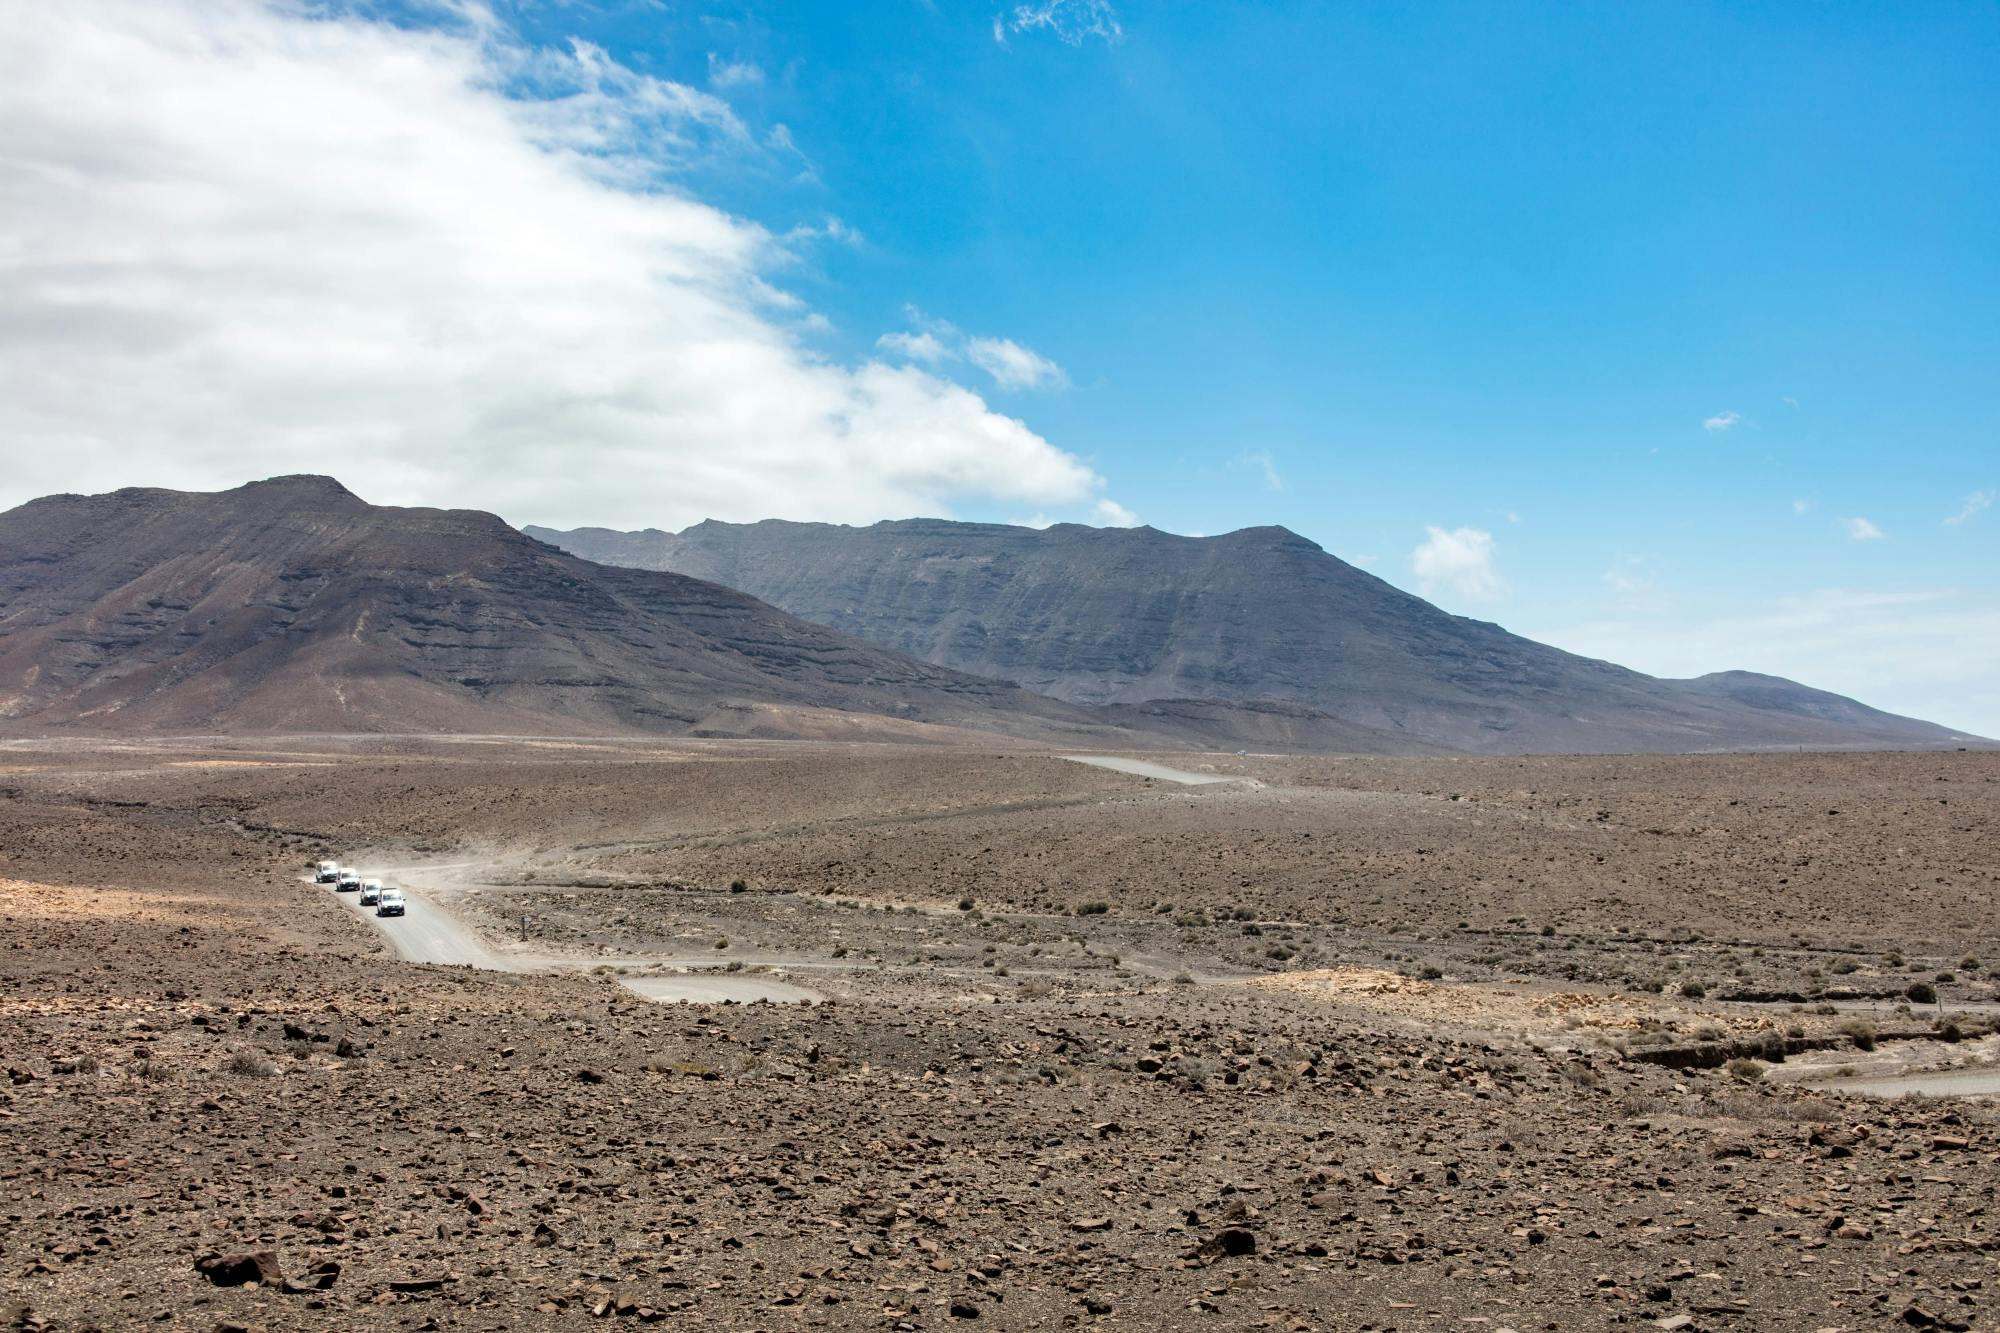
(291, 605)
(1126, 616)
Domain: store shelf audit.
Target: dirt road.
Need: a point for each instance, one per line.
(1139, 768)
(426, 933)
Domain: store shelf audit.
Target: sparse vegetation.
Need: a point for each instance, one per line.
(250, 1064)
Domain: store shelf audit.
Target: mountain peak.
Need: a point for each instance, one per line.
(309, 486)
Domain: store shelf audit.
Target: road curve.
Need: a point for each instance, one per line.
(426, 933)
(429, 933)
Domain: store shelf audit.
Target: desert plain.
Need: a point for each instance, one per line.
(787, 1035)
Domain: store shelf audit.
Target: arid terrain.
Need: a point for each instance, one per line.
(1316, 1043)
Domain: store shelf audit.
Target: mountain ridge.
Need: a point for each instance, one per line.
(1135, 616)
(291, 604)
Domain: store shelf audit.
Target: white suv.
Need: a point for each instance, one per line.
(390, 903)
(371, 892)
(346, 881)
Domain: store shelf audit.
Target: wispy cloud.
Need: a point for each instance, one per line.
(1070, 22)
(1627, 576)
(732, 73)
(1721, 421)
(829, 229)
(1459, 560)
(1971, 507)
(1804, 505)
(1265, 466)
(922, 347)
(1011, 365)
(1861, 530)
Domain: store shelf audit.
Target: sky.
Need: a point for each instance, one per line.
(1665, 334)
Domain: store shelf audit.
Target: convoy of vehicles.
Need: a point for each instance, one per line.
(369, 892)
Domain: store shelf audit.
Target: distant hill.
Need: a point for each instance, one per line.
(292, 605)
(1132, 616)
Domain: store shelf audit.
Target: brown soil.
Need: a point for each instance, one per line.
(1315, 1065)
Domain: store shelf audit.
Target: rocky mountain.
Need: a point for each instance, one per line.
(1135, 616)
(292, 605)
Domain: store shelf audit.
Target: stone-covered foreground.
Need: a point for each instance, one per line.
(230, 1107)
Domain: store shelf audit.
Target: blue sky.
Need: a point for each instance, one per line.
(1363, 269)
(1665, 333)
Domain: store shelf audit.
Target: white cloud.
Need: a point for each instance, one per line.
(1265, 466)
(1013, 366)
(831, 229)
(922, 347)
(1929, 653)
(1111, 514)
(1861, 530)
(732, 73)
(1459, 560)
(1069, 21)
(936, 341)
(1627, 576)
(240, 241)
(1721, 421)
(1971, 507)
(1788, 400)
(1803, 506)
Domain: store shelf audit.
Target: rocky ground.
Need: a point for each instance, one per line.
(1366, 1044)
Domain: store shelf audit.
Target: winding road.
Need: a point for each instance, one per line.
(429, 932)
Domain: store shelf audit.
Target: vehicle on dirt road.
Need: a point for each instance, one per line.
(326, 872)
(346, 882)
(371, 892)
(390, 903)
